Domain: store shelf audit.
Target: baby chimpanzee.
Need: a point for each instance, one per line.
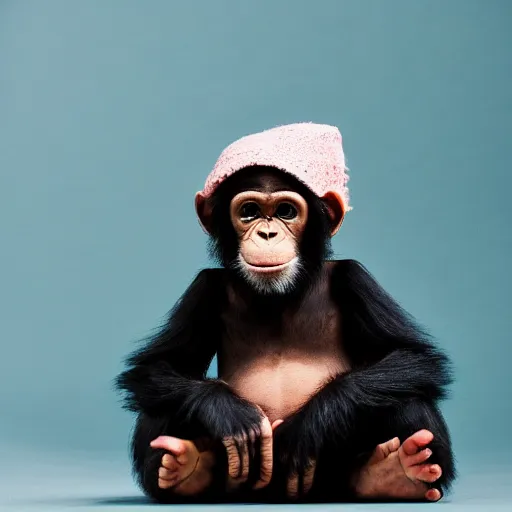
(327, 390)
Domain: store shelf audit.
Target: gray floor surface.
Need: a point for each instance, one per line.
(50, 482)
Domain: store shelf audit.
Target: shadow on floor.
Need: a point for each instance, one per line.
(93, 501)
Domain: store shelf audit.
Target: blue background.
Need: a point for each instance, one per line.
(112, 113)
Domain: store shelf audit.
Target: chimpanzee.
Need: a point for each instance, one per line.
(327, 389)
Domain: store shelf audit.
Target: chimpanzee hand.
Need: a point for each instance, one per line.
(240, 451)
(296, 452)
(243, 429)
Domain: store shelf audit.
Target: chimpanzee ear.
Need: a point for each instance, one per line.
(204, 212)
(335, 210)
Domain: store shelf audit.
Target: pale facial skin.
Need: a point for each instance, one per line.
(270, 227)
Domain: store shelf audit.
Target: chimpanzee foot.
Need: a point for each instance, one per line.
(399, 471)
(184, 470)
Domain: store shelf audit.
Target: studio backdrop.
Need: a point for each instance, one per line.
(112, 113)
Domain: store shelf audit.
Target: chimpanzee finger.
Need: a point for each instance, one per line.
(242, 446)
(165, 484)
(167, 474)
(234, 461)
(238, 460)
(251, 443)
(309, 476)
(292, 486)
(266, 460)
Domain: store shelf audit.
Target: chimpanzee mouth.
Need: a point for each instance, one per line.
(270, 279)
(269, 268)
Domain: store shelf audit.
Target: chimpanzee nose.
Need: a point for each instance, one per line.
(266, 233)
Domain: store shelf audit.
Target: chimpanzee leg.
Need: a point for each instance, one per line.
(339, 462)
(417, 415)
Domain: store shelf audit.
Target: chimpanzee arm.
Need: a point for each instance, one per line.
(166, 383)
(393, 361)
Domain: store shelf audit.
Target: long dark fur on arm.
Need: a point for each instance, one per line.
(393, 358)
(166, 383)
(168, 376)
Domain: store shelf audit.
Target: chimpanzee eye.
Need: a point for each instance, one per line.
(286, 211)
(249, 211)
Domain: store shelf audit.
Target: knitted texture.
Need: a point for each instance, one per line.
(312, 152)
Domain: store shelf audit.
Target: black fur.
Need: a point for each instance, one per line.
(398, 377)
(398, 374)
(166, 381)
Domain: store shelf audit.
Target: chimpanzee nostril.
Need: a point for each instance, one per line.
(267, 235)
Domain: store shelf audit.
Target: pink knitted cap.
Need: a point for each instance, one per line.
(311, 152)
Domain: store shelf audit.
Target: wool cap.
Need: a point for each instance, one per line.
(311, 152)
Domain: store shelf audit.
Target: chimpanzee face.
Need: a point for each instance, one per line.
(269, 228)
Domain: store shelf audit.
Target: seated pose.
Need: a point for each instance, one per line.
(327, 390)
